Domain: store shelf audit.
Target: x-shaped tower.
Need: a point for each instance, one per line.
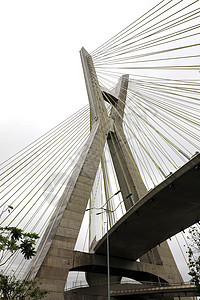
(56, 251)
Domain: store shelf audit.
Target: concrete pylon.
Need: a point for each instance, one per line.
(130, 181)
(54, 255)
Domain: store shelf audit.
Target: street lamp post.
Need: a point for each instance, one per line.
(108, 257)
(107, 235)
(108, 251)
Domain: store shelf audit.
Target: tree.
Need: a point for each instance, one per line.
(194, 256)
(14, 289)
(13, 239)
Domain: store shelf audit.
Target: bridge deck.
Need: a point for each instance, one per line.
(173, 291)
(166, 210)
(133, 291)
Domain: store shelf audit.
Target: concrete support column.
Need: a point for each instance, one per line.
(55, 252)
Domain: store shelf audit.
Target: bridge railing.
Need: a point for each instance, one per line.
(83, 284)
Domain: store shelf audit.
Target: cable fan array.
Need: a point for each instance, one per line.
(160, 52)
(33, 180)
(165, 38)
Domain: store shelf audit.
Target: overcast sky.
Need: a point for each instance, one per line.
(40, 69)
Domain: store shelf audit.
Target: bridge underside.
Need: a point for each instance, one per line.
(166, 210)
(140, 271)
(171, 201)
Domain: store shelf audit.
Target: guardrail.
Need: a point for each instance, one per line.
(83, 284)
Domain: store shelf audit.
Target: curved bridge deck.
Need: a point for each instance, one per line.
(166, 210)
(133, 291)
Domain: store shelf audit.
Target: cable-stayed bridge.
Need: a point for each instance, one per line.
(140, 135)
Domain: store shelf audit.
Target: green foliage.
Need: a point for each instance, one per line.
(194, 256)
(14, 289)
(13, 239)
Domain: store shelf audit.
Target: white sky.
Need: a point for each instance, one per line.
(41, 79)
